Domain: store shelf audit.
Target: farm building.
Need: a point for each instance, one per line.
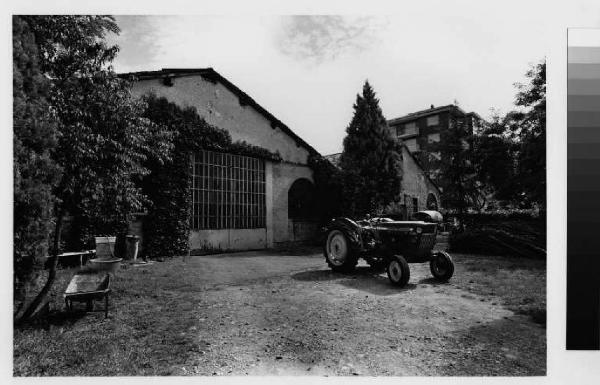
(418, 191)
(239, 202)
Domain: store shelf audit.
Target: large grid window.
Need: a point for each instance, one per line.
(228, 191)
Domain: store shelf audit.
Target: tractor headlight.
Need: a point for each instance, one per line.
(419, 230)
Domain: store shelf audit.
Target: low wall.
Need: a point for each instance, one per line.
(202, 241)
(301, 231)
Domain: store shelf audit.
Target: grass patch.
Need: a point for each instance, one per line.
(519, 282)
(150, 329)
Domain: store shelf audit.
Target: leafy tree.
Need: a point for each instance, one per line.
(371, 161)
(510, 152)
(456, 176)
(494, 160)
(531, 134)
(104, 141)
(35, 171)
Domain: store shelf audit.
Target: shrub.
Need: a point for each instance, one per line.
(328, 187)
(518, 235)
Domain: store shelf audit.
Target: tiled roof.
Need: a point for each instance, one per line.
(213, 76)
(334, 158)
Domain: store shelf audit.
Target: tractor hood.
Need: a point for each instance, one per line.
(404, 225)
(430, 216)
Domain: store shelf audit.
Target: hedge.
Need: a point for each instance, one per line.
(493, 235)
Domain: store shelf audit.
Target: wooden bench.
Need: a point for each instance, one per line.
(65, 259)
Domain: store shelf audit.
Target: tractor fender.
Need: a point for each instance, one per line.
(351, 230)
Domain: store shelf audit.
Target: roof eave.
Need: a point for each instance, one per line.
(419, 114)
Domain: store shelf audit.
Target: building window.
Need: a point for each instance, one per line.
(411, 144)
(399, 131)
(228, 191)
(433, 138)
(409, 129)
(433, 120)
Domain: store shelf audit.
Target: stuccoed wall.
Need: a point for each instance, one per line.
(202, 241)
(221, 108)
(283, 176)
(414, 182)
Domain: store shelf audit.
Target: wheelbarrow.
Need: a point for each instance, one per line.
(87, 288)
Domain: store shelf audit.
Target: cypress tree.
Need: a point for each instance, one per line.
(371, 161)
(35, 171)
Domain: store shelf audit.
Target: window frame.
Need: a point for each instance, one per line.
(228, 191)
(433, 117)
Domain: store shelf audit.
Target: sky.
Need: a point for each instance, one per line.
(306, 70)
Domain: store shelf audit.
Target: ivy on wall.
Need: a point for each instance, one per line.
(168, 186)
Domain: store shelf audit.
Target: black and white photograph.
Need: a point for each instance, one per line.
(286, 193)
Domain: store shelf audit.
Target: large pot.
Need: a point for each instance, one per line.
(108, 265)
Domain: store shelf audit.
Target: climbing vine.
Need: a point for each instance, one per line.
(168, 186)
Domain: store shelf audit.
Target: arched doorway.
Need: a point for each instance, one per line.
(432, 202)
(301, 200)
(301, 210)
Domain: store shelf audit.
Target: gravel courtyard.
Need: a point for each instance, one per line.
(285, 313)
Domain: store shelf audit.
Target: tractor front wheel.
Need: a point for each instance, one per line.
(441, 266)
(398, 271)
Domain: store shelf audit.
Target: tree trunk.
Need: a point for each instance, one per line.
(29, 311)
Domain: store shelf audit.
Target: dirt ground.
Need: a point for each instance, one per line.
(261, 313)
(302, 318)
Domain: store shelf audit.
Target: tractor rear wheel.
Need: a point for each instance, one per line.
(339, 253)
